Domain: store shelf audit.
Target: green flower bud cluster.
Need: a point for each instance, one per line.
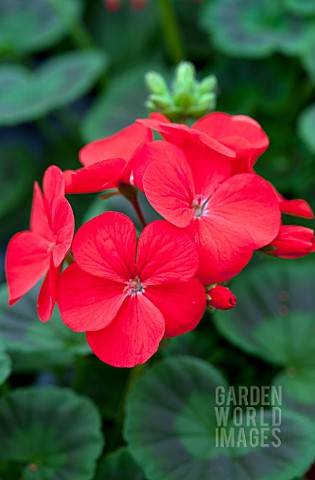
(188, 98)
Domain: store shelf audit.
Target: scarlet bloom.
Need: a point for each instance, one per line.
(221, 297)
(239, 136)
(33, 253)
(227, 216)
(292, 242)
(128, 297)
(107, 162)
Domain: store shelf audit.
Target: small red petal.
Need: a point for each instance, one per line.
(87, 302)
(106, 247)
(165, 255)
(121, 145)
(182, 305)
(133, 337)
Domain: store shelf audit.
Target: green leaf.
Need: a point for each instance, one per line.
(33, 25)
(255, 29)
(33, 344)
(5, 366)
(274, 314)
(50, 433)
(119, 465)
(306, 125)
(16, 173)
(172, 430)
(118, 106)
(25, 96)
(300, 7)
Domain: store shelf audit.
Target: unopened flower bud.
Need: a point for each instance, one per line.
(292, 242)
(221, 297)
(208, 84)
(137, 4)
(156, 83)
(161, 101)
(185, 72)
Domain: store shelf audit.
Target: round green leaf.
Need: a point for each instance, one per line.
(172, 430)
(119, 465)
(37, 19)
(274, 315)
(306, 125)
(32, 343)
(5, 366)
(50, 433)
(25, 96)
(255, 29)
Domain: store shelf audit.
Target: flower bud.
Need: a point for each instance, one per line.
(292, 242)
(221, 297)
(208, 84)
(185, 72)
(156, 83)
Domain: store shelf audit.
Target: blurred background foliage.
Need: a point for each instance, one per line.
(72, 71)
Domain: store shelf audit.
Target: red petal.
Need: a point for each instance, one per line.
(106, 247)
(168, 184)
(133, 337)
(53, 186)
(121, 145)
(87, 302)
(39, 223)
(220, 256)
(209, 168)
(241, 133)
(241, 216)
(182, 305)
(47, 295)
(96, 177)
(296, 207)
(63, 226)
(165, 255)
(181, 134)
(27, 261)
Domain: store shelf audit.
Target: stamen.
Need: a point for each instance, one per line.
(134, 286)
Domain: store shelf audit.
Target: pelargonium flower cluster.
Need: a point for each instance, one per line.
(128, 294)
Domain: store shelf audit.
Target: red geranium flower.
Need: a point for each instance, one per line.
(227, 216)
(108, 162)
(33, 253)
(127, 298)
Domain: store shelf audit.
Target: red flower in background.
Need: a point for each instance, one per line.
(33, 253)
(108, 162)
(227, 216)
(128, 297)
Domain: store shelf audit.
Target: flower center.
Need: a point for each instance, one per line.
(199, 205)
(134, 286)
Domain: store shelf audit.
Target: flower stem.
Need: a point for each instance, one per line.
(138, 211)
(172, 34)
